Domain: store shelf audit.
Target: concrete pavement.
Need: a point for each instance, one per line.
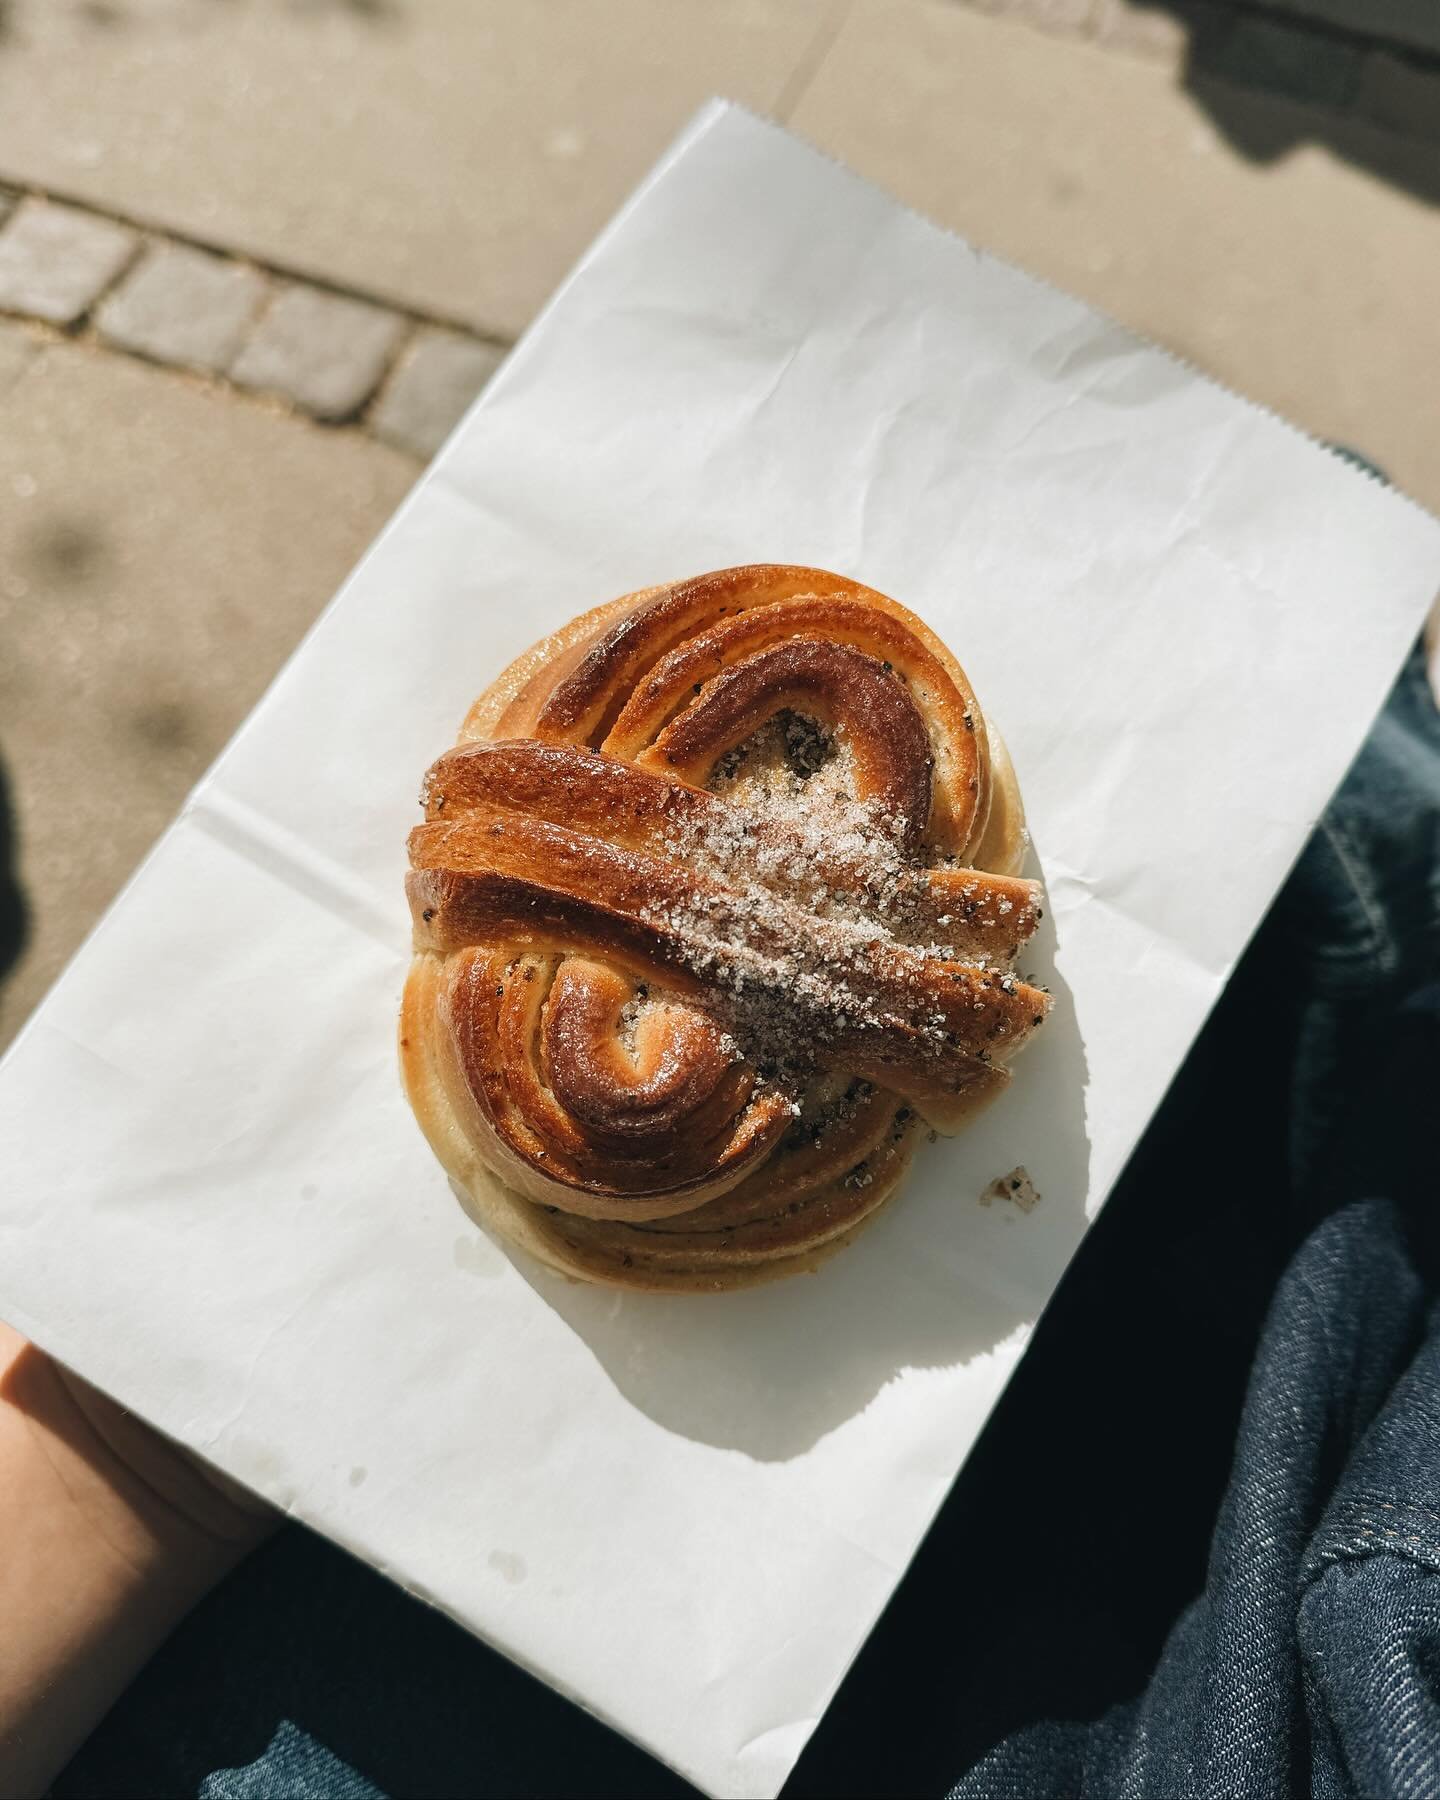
(1307, 284)
(303, 232)
(162, 549)
(449, 157)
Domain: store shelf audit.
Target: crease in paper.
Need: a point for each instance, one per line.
(278, 852)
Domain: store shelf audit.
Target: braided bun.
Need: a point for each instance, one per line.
(715, 903)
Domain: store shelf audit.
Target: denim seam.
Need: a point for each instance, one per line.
(1364, 1505)
(1366, 1552)
(1363, 1535)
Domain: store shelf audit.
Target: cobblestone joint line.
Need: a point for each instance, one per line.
(376, 393)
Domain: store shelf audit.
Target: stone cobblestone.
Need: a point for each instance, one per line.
(183, 306)
(439, 375)
(324, 352)
(56, 261)
(187, 307)
(1401, 96)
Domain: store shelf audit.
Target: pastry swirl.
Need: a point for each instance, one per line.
(715, 903)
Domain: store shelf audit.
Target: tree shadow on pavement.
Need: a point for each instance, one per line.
(1272, 83)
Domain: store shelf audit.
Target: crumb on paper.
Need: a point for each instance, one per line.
(1016, 1186)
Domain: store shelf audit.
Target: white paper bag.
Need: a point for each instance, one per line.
(688, 1512)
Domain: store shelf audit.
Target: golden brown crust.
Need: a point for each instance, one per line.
(714, 901)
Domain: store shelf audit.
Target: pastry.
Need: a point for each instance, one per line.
(716, 905)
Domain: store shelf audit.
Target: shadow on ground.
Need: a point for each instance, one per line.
(12, 900)
(1272, 84)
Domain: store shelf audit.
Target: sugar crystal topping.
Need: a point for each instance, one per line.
(811, 893)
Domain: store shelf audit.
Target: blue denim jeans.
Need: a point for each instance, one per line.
(1197, 1549)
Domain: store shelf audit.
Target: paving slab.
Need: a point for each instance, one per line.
(1166, 32)
(438, 376)
(18, 344)
(55, 261)
(325, 353)
(451, 156)
(1401, 96)
(182, 306)
(1412, 22)
(1307, 283)
(1274, 55)
(163, 546)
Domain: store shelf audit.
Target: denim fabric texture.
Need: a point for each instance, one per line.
(1310, 1664)
(294, 1765)
(1195, 1551)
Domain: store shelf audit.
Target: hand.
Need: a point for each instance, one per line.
(109, 1534)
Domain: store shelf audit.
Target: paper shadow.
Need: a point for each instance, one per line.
(769, 1371)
